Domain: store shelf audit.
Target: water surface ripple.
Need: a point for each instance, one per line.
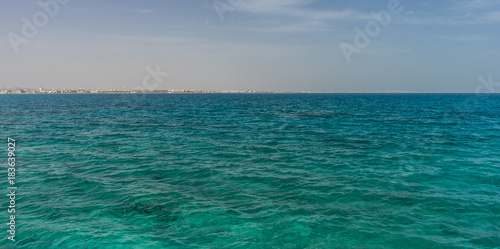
(255, 171)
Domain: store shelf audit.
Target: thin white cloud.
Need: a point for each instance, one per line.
(465, 38)
(490, 17)
(153, 39)
(136, 10)
(263, 6)
(301, 27)
(142, 11)
(459, 12)
(467, 5)
(295, 8)
(468, 19)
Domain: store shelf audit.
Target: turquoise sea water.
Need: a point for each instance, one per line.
(253, 171)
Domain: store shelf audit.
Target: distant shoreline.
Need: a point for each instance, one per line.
(82, 91)
(113, 91)
(242, 93)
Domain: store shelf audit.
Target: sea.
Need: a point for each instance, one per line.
(252, 171)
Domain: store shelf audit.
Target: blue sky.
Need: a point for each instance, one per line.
(429, 46)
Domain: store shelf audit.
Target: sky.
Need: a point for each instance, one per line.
(266, 45)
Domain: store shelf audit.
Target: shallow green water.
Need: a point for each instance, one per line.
(254, 171)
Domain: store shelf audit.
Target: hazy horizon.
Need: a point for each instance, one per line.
(281, 45)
